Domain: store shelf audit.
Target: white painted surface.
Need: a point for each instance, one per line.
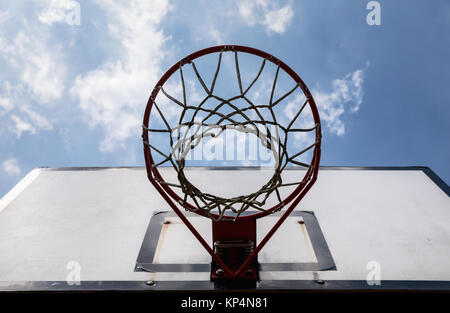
(98, 218)
(177, 245)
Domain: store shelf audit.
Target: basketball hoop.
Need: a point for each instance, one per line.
(234, 250)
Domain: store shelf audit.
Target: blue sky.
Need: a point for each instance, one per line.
(74, 95)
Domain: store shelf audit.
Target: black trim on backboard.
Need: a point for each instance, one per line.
(437, 180)
(185, 286)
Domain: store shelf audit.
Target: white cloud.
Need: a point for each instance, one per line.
(19, 116)
(346, 95)
(21, 126)
(55, 11)
(37, 119)
(277, 20)
(114, 95)
(11, 167)
(41, 72)
(38, 65)
(215, 35)
(4, 15)
(5, 104)
(33, 78)
(357, 90)
(266, 13)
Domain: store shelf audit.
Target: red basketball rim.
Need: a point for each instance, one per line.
(157, 180)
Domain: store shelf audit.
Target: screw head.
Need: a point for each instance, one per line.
(150, 282)
(219, 272)
(320, 281)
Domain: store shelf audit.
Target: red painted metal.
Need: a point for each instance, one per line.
(242, 230)
(169, 195)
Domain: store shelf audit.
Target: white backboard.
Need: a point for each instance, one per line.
(362, 228)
